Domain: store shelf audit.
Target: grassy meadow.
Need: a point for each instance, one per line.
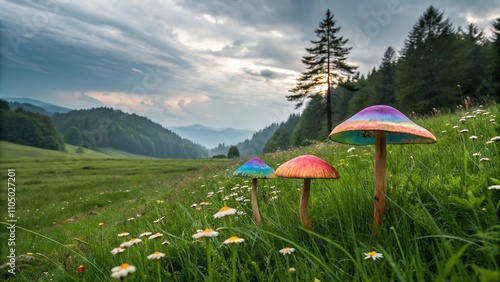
(442, 221)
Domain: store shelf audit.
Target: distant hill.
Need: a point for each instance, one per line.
(49, 108)
(212, 137)
(107, 127)
(250, 147)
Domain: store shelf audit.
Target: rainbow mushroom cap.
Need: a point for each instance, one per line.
(380, 125)
(255, 168)
(306, 167)
(360, 128)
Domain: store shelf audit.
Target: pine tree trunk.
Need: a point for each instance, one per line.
(329, 109)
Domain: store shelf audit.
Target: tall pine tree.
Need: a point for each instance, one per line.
(327, 66)
(430, 66)
(496, 57)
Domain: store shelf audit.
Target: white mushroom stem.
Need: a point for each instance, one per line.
(255, 206)
(304, 198)
(380, 191)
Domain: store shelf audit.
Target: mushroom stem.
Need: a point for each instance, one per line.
(255, 206)
(380, 161)
(304, 198)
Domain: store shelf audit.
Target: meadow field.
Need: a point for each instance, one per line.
(442, 221)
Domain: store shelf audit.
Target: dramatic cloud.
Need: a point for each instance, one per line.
(218, 63)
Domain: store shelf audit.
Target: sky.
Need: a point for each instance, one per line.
(218, 63)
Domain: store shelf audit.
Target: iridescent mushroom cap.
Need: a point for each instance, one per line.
(307, 166)
(360, 128)
(255, 168)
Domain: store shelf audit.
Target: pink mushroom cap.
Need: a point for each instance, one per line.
(307, 166)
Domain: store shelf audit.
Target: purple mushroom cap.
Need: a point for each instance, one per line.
(359, 129)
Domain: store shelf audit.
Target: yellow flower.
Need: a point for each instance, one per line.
(122, 270)
(101, 224)
(156, 255)
(287, 251)
(234, 240)
(156, 235)
(373, 255)
(130, 243)
(224, 211)
(205, 233)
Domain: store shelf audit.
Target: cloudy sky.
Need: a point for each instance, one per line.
(219, 63)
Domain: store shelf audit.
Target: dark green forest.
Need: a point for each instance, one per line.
(108, 127)
(28, 128)
(441, 68)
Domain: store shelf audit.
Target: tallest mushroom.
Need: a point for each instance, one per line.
(380, 125)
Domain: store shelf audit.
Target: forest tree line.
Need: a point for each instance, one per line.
(108, 127)
(440, 68)
(28, 128)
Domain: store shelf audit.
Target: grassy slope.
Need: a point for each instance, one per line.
(441, 223)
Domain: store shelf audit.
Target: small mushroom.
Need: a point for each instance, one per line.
(380, 125)
(255, 168)
(306, 167)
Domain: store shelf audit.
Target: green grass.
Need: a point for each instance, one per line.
(442, 221)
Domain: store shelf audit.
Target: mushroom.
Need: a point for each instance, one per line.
(306, 167)
(255, 168)
(380, 125)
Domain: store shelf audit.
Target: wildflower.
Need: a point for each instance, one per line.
(351, 149)
(497, 187)
(291, 270)
(476, 154)
(147, 233)
(101, 224)
(495, 139)
(158, 220)
(123, 234)
(373, 255)
(273, 198)
(225, 210)
(462, 120)
(210, 194)
(208, 232)
(240, 213)
(130, 243)
(455, 126)
(117, 250)
(156, 235)
(165, 243)
(204, 203)
(194, 205)
(156, 255)
(234, 240)
(80, 269)
(484, 160)
(132, 218)
(464, 131)
(473, 137)
(122, 270)
(287, 251)
(239, 199)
